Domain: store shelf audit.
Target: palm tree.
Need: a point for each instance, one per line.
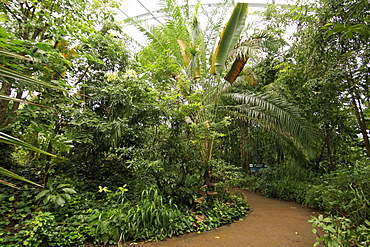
(181, 34)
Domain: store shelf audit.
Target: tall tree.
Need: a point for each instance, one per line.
(194, 78)
(325, 72)
(44, 32)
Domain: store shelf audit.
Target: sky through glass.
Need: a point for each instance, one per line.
(150, 10)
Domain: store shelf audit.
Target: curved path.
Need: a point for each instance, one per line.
(271, 223)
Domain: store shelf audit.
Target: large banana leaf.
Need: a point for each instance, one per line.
(185, 54)
(229, 37)
(236, 68)
(188, 59)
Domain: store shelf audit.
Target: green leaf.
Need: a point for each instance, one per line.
(60, 200)
(69, 190)
(229, 37)
(14, 141)
(42, 194)
(10, 54)
(13, 175)
(67, 197)
(48, 198)
(16, 75)
(62, 186)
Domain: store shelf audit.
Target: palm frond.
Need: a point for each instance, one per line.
(8, 173)
(275, 115)
(247, 47)
(4, 138)
(16, 75)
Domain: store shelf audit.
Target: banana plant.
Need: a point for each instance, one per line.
(229, 37)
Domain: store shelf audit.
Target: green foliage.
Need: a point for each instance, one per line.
(277, 116)
(226, 176)
(220, 210)
(340, 231)
(344, 193)
(151, 122)
(149, 218)
(229, 37)
(55, 195)
(289, 182)
(43, 230)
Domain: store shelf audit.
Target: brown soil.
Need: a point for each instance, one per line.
(271, 223)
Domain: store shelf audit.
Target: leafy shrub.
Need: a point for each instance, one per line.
(288, 182)
(249, 181)
(226, 175)
(220, 211)
(343, 193)
(150, 218)
(56, 195)
(16, 206)
(340, 231)
(43, 230)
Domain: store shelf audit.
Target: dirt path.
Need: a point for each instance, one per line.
(271, 223)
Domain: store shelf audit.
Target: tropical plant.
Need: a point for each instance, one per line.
(150, 218)
(264, 110)
(340, 231)
(55, 195)
(8, 73)
(36, 55)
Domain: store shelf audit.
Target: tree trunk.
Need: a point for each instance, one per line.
(6, 90)
(14, 108)
(48, 158)
(356, 103)
(361, 122)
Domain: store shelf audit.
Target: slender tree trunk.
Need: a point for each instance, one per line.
(207, 157)
(6, 90)
(356, 103)
(48, 158)
(14, 107)
(361, 122)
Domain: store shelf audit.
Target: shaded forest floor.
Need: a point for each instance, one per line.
(271, 222)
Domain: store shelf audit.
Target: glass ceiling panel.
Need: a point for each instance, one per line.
(145, 9)
(151, 11)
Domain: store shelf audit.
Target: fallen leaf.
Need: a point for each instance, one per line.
(200, 217)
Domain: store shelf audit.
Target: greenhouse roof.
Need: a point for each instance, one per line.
(153, 9)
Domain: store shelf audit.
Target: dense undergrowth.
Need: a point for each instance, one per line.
(67, 216)
(343, 196)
